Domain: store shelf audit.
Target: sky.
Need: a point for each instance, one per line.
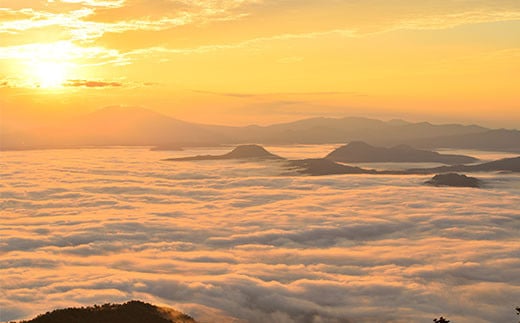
(236, 62)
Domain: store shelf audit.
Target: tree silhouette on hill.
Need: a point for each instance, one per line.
(130, 312)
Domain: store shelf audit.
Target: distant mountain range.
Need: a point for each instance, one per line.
(122, 126)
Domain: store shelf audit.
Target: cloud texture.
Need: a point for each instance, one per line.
(237, 241)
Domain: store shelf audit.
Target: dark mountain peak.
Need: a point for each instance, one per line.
(130, 312)
(323, 166)
(454, 179)
(250, 151)
(360, 152)
(507, 161)
(240, 152)
(354, 148)
(511, 164)
(501, 165)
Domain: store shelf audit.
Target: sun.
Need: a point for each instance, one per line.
(49, 75)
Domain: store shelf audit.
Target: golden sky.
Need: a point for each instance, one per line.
(263, 61)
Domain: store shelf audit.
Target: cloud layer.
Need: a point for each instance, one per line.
(236, 240)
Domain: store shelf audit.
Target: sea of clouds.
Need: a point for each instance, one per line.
(229, 241)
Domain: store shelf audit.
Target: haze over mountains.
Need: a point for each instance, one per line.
(114, 126)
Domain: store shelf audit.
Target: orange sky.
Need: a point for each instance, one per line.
(263, 61)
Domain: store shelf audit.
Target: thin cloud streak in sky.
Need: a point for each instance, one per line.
(250, 44)
(76, 22)
(81, 28)
(96, 3)
(86, 83)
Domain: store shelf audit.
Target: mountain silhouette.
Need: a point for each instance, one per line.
(454, 179)
(340, 130)
(240, 152)
(322, 166)
(130, 312)
(311, 166)
(358, 151)
(503, 165)
(134, 126)
(113, 126)
(328, 166)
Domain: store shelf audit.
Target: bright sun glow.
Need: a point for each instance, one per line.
(50, 74)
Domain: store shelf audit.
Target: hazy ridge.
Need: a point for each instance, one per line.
(118, 126)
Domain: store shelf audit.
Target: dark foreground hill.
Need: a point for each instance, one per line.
(358, 152)
(130, 312)
(240, 152)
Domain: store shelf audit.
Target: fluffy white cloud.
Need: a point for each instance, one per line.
(238, 240)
